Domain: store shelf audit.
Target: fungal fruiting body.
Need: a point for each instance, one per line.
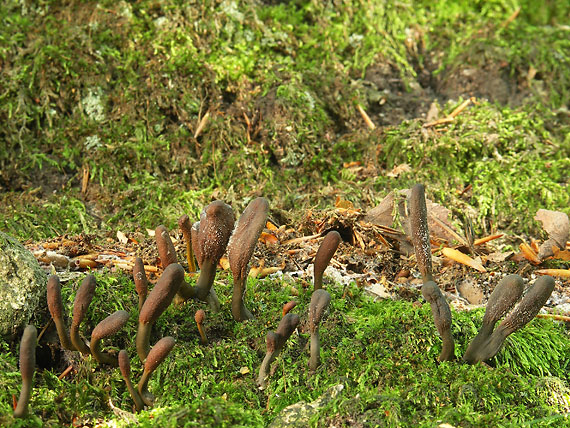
(275, 341)
(166, 250)
(522, 314)
(27, 368)
(199, 317)
(80, 305)
(324, 255)
(319, 302)
(158, 300)
(125, 368)
(430, 290)
(141, 281)
(108, 327)
(240, 249)
(156, 356)
(55, 307)
(505, 295)
(186, 228)
(214, 230)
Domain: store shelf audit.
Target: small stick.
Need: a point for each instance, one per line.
(555, 317)
(366, 118)
(65, 372)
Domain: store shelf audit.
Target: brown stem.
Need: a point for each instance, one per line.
(239, 311)
(141, 281)
(199, 318)
(442, 318)
(27, 368)
(156, 356)
(125, 367)
(80, 305)
(55, 307)
(319, 303)
(186, 228)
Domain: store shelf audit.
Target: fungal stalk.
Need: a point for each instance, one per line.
(505, 295)
(199, 318)
(240, 249)
(27, 368)
(166, 250)
(141, 281)
(275, 342)
(430, 290)
(522, 314)
(287, 307)
(324, 255)
(125, 367)
(186, 228)
(319, 302)
(55, 307)
(108, 327)
(158, 300)
(157, 355)
(80, 305)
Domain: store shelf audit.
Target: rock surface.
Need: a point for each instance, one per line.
(22, 286)
(299, 414)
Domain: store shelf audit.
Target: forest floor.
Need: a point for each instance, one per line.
(119, 117)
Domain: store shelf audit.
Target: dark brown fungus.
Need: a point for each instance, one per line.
(275, 342)
(166, 250)
(27, 368)
(324, 255)
(186, 228)
(216, 225)
(55, 307)
(158, 300)
(441, 317)
(199, 318)
(80, 305)
(125, 367)
(319, 302)
(522, 314)
(108, 327)
(157, 355)
(240, 249)
(420, 232)
(505, 295)
(141, 281)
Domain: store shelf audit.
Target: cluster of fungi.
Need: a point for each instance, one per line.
(206, 242)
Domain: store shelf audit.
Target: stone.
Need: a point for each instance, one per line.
(22, 286)
(299, 414)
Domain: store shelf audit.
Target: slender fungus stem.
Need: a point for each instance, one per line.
(275, 342)
(288, 306)
(186, 228)
(108, 327)
(156, 356)
(141, 281)
(430, 290)
(158, 300)
(82, 300)
(125, 367)
(240, 249)
(199, 318)
(505, 295)
(324, 255)
(27, 367)
(319, 302)
(55, 307)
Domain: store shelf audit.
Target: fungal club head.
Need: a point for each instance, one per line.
(324, 255)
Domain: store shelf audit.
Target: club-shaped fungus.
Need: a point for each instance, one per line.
(157, 355)
(55, 307)
(186, 228)
(319, 302)
(108, 327)
(240, 249)
(324, 255)
(141, 281)
(158, 300)
(27, 368)
(80, 305)
(125, 368)
(199, 317)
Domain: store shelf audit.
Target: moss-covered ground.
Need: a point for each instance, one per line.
(124, 115)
